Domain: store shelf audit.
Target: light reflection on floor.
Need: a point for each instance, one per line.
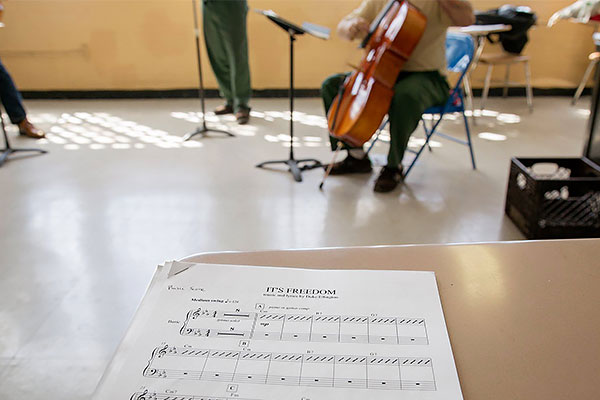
(494, 137)
(99, 131)
(496, 118)
(103, 131)
(228, 122)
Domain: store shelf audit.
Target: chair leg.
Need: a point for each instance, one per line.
(584, 80)
(528, 87)
(469, 97)
(469, 139)
(506, 80)
(373, 142)
(426, 130)
(433, 121)
(486, 86)
(377, 133)
(428, 135)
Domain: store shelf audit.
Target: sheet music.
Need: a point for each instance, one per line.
(319, 31)
(216, 332)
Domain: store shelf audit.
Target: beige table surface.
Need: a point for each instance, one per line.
(523, 317)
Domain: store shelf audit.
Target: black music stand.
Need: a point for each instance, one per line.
(293, 30)
(8, 150)
(203, 129)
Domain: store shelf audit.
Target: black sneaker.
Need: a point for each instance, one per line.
(351, 165)
(388, 179)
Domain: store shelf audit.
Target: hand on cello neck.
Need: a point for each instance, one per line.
(353, 28)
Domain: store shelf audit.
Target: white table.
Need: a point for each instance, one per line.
(479, 32)
(523, 317)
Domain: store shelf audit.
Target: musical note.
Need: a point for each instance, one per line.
(389, 384)
(421, 386)
(316, 381)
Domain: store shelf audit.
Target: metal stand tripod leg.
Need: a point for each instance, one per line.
(294, 166)
(8, 150)
(203, 130)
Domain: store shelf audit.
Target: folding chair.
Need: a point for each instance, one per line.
(459, 54)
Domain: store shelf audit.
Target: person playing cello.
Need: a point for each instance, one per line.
(420, 85)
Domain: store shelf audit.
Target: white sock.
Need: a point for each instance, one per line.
(357, 153)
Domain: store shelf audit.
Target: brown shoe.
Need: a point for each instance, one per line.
(243, 115)
(224, 109)
(388, 179)
(351, 165)
(26, 128)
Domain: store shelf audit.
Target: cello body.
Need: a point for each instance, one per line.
(365, 98)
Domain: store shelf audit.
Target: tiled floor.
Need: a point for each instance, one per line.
(82, 228)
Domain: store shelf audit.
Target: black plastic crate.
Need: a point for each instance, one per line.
(554, 198)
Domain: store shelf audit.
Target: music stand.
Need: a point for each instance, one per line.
(293, 30)
(203, 129)
(8, 150)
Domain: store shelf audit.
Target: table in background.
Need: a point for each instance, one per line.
(523, 317)
(479, 32)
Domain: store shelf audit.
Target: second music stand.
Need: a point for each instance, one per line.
(292, 30)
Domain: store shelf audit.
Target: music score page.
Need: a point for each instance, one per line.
(216, 332)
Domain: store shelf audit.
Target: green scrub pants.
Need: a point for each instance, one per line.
(224, 24)
(414, 93)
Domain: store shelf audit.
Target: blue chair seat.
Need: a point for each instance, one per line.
(440, 109)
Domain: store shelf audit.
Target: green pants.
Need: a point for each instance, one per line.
(227, 46)
(414, 93)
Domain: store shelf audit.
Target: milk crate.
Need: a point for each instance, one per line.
(554, 198)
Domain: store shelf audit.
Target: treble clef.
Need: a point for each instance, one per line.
(197, 313)
(162, 351)
(139, 396)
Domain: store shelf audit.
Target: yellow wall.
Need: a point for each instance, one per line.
(148, 44)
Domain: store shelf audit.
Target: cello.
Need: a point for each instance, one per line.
(366, 94)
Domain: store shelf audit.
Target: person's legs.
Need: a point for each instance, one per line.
(212, 14)
(413, 94)
(237, 46)
(355, 162)
(227, 45)
(13, 103)
(11, 98)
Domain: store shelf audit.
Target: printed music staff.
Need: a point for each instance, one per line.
(147, 395)
(216, 331)
(305, 328)
(352, 372)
